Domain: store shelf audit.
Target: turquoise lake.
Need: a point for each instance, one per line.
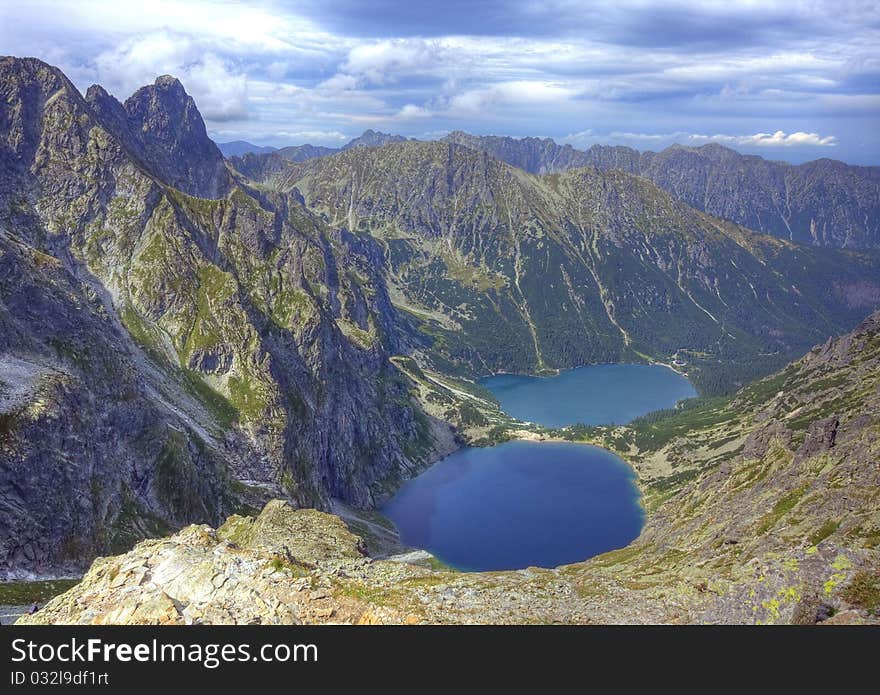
(605, 394)
(542, 504)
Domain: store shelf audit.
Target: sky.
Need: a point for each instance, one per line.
(787, 80)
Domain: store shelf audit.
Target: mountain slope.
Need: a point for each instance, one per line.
(260, 163)
(262, 166)
(781, 524)
(512, 272)
(79, 427)
(824, 202)
(534, 155)
(261, 334)
(300, 153)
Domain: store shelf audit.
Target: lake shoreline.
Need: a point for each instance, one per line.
(510, 507)
(540, 409)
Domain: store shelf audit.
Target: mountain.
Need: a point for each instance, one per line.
(259, 166)
(236, 148)
(176, 345)
(263, 166)
(262, 161)
(534, 155)
(823, 203)
(161, 126)
(507, 271)
(762, 508)
(373, 138)
(300, 153)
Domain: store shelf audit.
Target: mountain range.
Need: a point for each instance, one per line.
(236, 148)
(299, 153)
(510, 271)
(822, 203)
(184, 336)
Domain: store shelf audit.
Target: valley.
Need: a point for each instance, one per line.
(202, 357)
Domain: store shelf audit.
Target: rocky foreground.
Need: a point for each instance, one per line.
(290, 566)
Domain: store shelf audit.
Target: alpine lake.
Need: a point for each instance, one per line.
(542, 504)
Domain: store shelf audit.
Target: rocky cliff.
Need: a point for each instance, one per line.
(172, 356)
(161, 123)
(763, 508)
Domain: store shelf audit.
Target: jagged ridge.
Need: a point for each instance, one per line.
(823, 202)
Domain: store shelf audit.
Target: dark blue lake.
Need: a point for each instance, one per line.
(519, 504)
(606, 394)
(540, 504)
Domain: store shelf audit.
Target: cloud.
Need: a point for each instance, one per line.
(412, 111)
(780, 139)
(516, 92)
(632, 68)
(777, 139)
(387, 61)
(313, 135)
(715, 25)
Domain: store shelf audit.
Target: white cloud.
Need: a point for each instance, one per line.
(340, 82)
(386, 61)
(282, 66)
(515, 92)
(412, 111)
(780, 139)
(777, 139)
(239, 26)
(313, 135)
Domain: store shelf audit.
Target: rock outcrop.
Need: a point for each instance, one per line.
(163, 126)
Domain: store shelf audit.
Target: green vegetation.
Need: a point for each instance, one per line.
(149, 339)
(780, 509)
(24, 593)
(655, 429)
(248, 397)
(216, 288)
(864, 591)
(829, 527)
(224, 412)
(290, 307)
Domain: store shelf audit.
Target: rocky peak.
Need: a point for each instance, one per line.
(373, 138)
(169, 129)
(28, 87)
(110, 113)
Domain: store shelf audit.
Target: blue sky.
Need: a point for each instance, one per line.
(786, 80)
